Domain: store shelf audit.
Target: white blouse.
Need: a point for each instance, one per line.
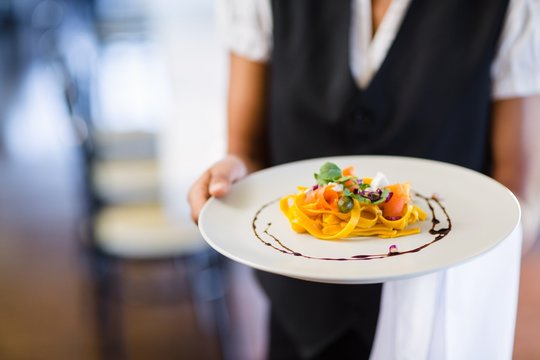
(247, 31)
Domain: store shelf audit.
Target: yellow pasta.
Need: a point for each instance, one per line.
(342, 205)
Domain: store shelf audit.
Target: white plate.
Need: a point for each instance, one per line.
(482, 212)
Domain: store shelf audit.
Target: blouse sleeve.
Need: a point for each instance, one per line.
(516, 69)
(246, 27)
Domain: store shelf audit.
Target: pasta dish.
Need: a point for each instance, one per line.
(343, 205)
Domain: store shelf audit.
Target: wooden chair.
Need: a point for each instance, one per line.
(125, 223)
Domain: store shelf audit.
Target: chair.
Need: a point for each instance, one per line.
(125, 223)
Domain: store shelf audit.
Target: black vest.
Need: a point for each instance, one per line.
(431, 98)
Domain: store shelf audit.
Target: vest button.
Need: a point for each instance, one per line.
(365, 118)
(362, 122)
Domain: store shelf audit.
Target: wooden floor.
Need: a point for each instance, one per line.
(46, 301)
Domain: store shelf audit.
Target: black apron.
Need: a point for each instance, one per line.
(431, 98)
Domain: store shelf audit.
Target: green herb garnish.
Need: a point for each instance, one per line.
(331, 173)
(328, 173)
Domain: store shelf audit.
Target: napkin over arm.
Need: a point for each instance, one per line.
(464, 312)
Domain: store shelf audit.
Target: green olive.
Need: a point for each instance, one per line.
(345, 204)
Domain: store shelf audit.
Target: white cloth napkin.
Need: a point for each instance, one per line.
(464, 312)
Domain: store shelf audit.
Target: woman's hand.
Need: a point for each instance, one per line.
(216, 181)
(246, 114)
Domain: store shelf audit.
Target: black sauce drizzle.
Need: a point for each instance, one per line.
(439, 233)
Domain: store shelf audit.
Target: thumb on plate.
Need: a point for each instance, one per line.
(224, 173)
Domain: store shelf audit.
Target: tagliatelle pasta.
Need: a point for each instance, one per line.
(342, 205)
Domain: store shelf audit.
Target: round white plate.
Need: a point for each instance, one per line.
(482, 212)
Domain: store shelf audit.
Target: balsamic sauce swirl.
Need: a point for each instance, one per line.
(438, 232)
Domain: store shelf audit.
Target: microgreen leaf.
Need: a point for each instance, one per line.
(364, 186)
(329, 172)
(384, 195)
(361, 199)
(344, 179)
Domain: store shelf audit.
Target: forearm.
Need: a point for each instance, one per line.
(247, 112)
(516, 157)
(510, 163)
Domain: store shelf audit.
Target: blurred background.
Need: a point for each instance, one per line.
(109, 109)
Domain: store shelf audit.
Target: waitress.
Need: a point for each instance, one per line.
(445, 80)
